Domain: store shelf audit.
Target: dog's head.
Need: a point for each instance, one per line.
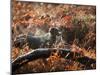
(55, 31)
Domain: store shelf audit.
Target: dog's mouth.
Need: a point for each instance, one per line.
(58, 33)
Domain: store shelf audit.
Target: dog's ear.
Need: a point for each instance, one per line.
(51, 30)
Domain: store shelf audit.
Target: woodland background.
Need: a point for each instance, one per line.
(27, 16)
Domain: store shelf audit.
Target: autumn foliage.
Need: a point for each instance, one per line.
(37, 18)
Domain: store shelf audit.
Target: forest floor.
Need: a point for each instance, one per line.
(31, 16)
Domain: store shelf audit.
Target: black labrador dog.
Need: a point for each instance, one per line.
(42, 41)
